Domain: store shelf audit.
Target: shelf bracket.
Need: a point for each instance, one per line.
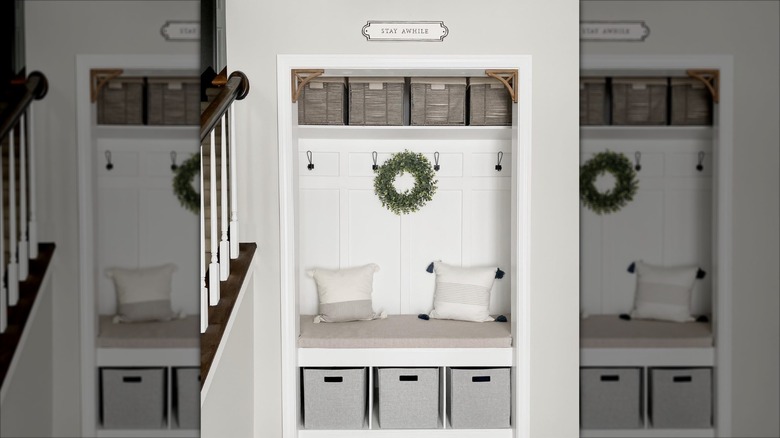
(98, 78)
(508, 78)
(299, 80)
(710, 78)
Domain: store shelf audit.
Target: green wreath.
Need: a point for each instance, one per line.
(411, 200)
(615, 198)
(182, 183)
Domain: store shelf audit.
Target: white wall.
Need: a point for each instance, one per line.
(56, 32)
(750, 31)
(257, 32)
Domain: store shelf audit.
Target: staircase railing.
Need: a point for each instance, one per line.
(222, 246)
(16, 137)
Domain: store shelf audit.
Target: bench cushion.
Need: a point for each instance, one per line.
(609, 331)
(404, 331)
(178, 333)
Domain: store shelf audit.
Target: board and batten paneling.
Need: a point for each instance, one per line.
(341, 222)
(669, 222)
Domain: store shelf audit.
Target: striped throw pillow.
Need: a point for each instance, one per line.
(664, 293)
(462, 293)
(345, 294)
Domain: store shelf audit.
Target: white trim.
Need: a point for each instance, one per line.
(204, 390)
(87, 306)
(647, 357)
(648, 433)
(723, 147)
(31, 321)
(405, 357)
(147, 357)
(409, 433)
(380, 65)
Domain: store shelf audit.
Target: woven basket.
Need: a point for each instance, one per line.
(376, 101)
(490, 103)
(593, 101)
(691, 102)
(120, 102)
(438, 101)
(322, 102)
(639, 101)
(173, 101)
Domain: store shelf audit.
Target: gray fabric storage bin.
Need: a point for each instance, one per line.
(187, 401)
(322, 102)
(120, 102)
(173, 101)
(438, 101)
(593, 101)
(639, 101)
(479, 398)
(376, 101)
(408, 398)
(681, 398)
(334, 398)
(491, 104)
(691, 102)
(610, 398)
(133, 398)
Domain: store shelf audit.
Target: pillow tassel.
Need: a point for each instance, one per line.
(499, 273)
(317, 319)
(632, 267)
(501, 318)
(116, 319)
(423, 316)
(430, 268)
(701, 273)
(382, 315)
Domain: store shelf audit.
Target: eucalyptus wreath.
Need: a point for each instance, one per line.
(408, 201)
(615, 198)
(182, 183)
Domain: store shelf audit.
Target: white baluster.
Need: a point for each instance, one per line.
(3, 291)
(213, 236)
(204, 291)
(224, 245)
(233, 185)
(32, 225)
(24, 261)
(13, 268)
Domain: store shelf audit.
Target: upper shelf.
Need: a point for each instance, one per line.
(613, 132)
(338, 132)
(162, 132)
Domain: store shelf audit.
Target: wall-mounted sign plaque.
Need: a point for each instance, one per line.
(377, 30)
(181, 30)
(613, 31)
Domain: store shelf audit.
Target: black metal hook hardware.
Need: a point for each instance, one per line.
(637, 161)
(174, 166)
(309, 157)
(374, 157)
(700, 165)
(109, 164)
(436, 166)
(500, 157)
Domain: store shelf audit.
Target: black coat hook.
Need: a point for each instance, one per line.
(700, 166)
(436, 166)
(109, 164)
(374, 157)
(500, 157)
(309, 157)
(174, 166)
(637, 161)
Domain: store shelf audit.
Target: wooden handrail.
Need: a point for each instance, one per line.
(237, 88)
(36, 88)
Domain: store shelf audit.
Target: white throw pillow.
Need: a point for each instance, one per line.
(462, 293)
(664, 293)
(143, 294)
(345, 294)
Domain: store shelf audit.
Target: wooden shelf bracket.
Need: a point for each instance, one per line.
(508, 78)
(710, 78)
(98, 78)
(299, 80)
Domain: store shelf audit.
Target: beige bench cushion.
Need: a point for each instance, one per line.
(609, 331)
(178, 333)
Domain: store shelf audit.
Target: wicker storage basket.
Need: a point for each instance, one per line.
(322, 102)
(120, 102)
(691, 102)
(376, 101)
(639, 101)
(491, 104)
(593, 101)
(438, 101)
(173, 101)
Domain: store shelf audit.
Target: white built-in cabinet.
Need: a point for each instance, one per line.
(680, 215)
